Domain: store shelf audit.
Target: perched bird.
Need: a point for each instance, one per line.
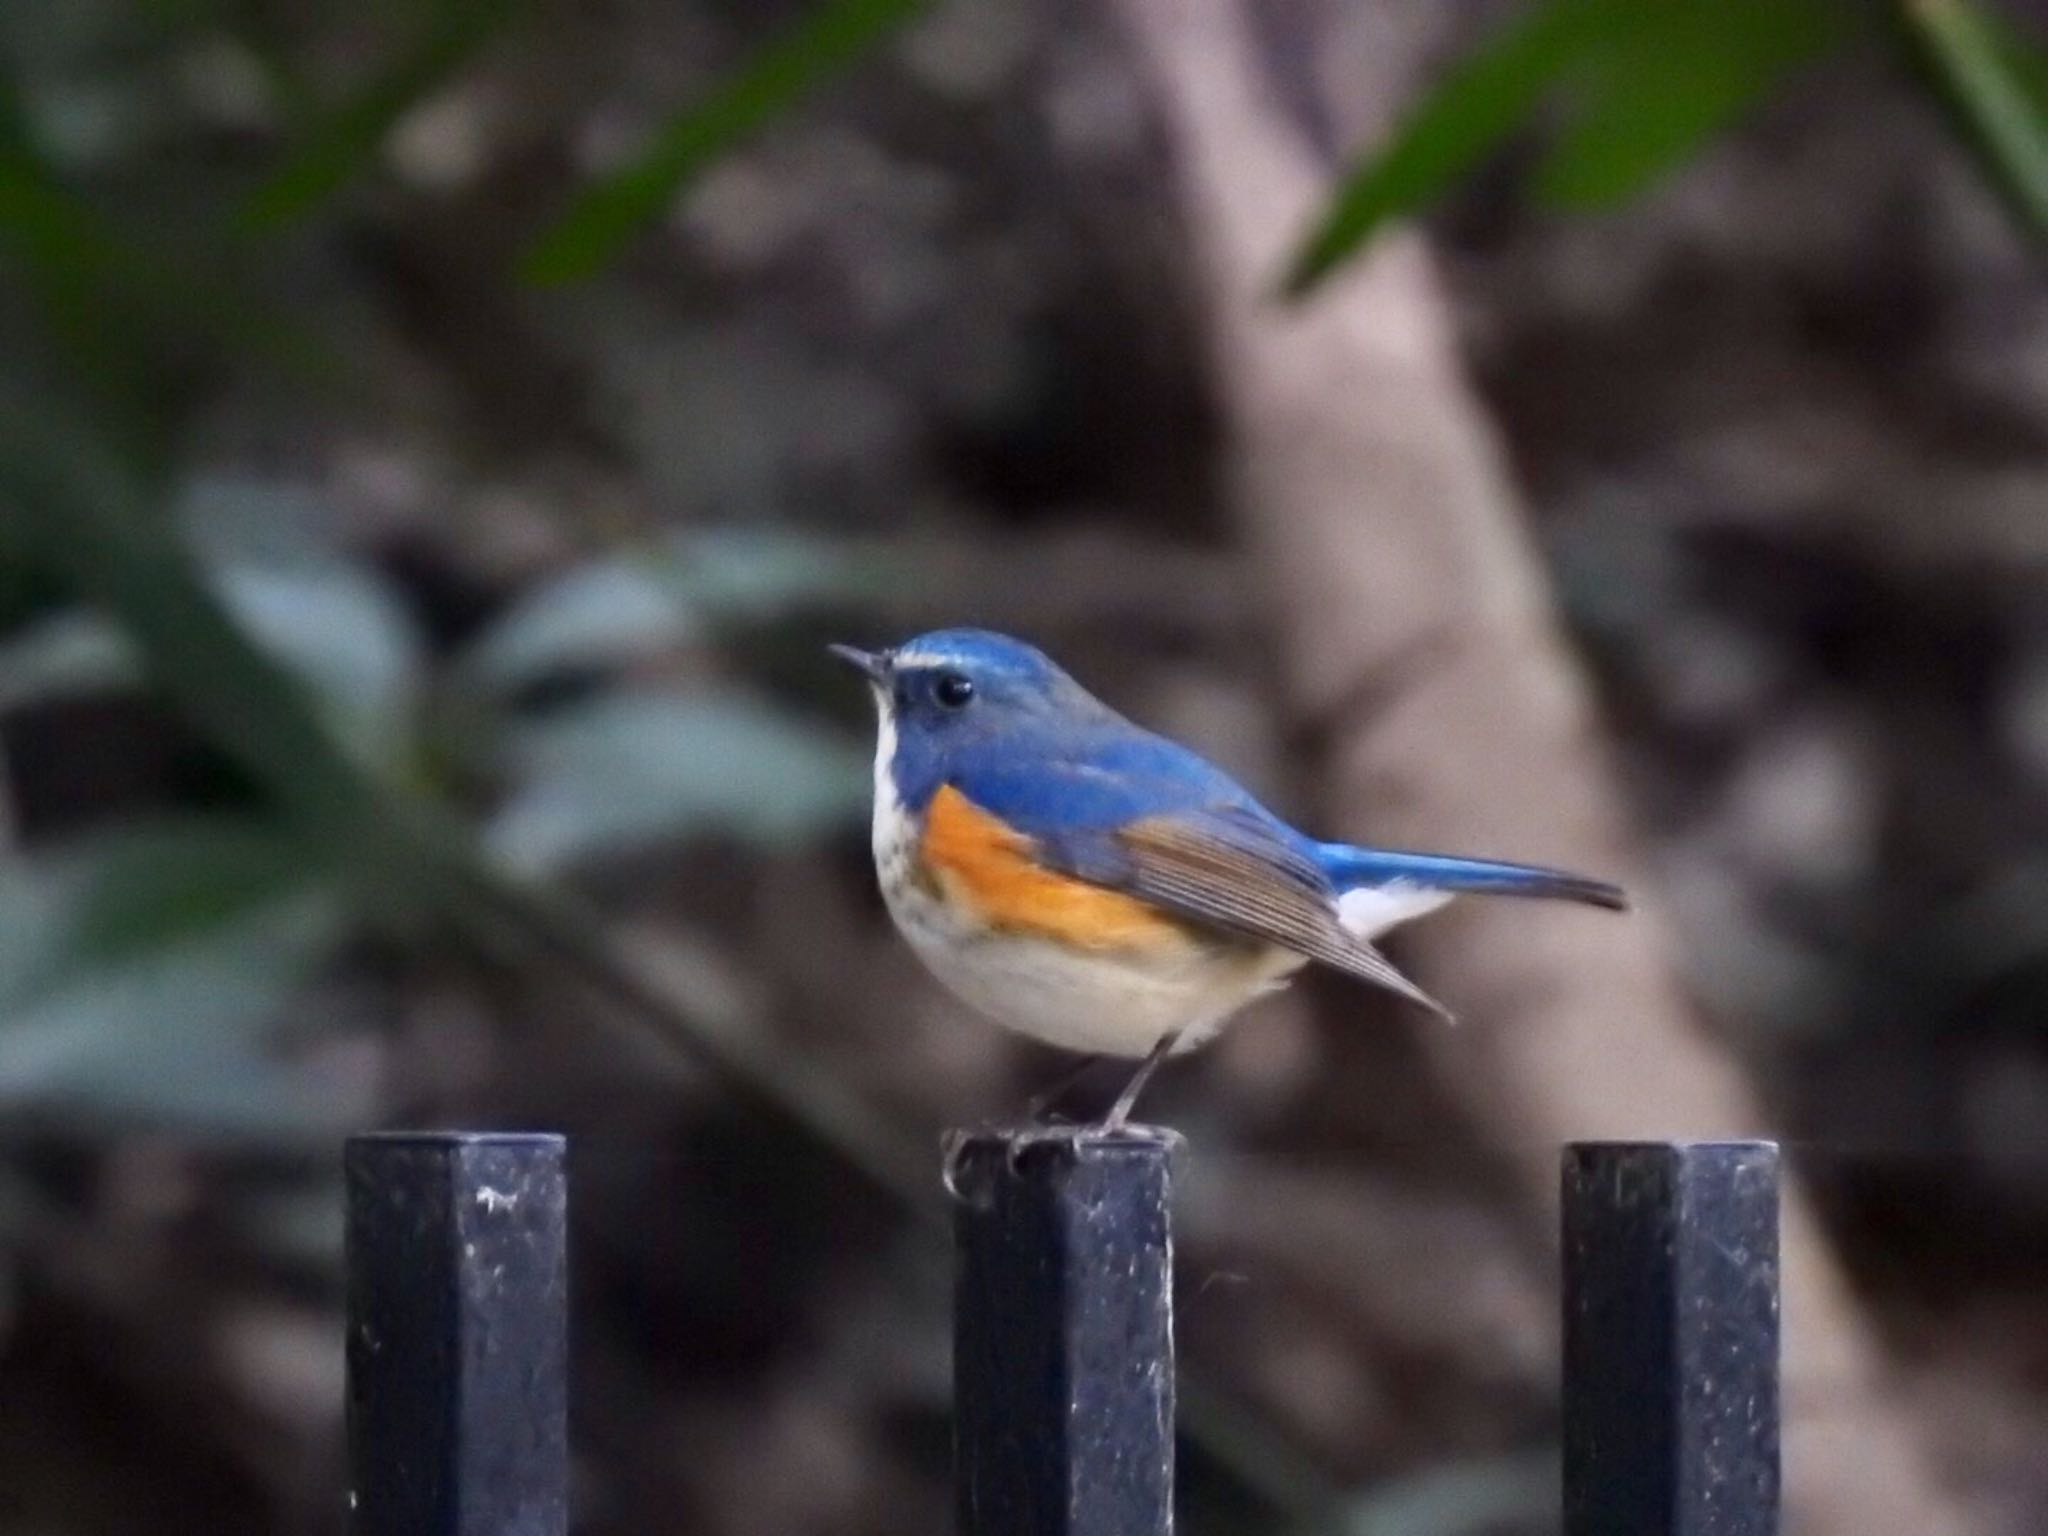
(1088, 883)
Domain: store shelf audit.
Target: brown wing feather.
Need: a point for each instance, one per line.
(1255, 886)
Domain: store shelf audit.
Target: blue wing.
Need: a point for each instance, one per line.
(1104, 779)
(1152, 820)
(1135, 812)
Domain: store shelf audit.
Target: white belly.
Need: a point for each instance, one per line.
(1109, 1002)
(1114, 1003)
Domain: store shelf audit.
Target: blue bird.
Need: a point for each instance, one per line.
(1085, 882)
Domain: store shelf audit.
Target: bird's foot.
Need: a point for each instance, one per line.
(1019, 1141)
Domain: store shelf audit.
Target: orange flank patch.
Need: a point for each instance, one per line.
(987, 866)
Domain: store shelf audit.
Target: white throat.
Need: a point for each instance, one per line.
(892, 831)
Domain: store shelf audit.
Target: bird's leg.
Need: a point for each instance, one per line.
(1036, 1109)
(1120, 1111)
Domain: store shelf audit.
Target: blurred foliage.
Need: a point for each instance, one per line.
(144, 972)
(1460, 1498)
(590, 234)
(1647, 84)
(335, 144)
(377, 783)
(302, 666)
(1994, 83)
(1631, 91)
(296, 661)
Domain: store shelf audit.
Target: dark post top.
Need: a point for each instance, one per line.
(1671, 1338)
(457, 1335)
(1063, 1332)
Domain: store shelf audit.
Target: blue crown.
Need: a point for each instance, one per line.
(982, 654)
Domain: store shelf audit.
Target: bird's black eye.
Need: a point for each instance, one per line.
(952, 689)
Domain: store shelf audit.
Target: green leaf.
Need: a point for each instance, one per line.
(606, 215)
(344, 634)
(612, 612)
(1663, 86)
(1644, 85)
(79, 270)
(253, 519)
(333, 621)
(602, 614)
(339, 629)
(75, 508)
(64, 241)
(624, 769)
(47, 226)
(1993, 84)
(1470, 113)
(2024, 59)
(337, 147)
(760, 575)
(67, 655)
(139, 968)
(173, 1035)
(141, 886)
(126, 307)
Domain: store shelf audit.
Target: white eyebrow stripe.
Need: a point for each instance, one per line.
(920, 659)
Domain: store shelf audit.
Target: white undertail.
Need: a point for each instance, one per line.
(1371, 910)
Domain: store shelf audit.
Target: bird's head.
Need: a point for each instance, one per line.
(945, 691)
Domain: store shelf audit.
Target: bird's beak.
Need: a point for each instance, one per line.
(873, 665)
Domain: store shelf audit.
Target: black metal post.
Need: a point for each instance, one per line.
(1063, 1334)
(457, 1335)
(1671, 1339)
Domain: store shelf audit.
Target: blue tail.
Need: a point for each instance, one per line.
(1349, 867)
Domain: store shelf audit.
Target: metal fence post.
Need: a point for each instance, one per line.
(1063, 1335)
(1671, 1339)
(457, 1335)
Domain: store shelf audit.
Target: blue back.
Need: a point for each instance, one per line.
(1047, 756)
(1036, 749)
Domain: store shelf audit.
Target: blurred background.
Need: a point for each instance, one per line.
(438, 438)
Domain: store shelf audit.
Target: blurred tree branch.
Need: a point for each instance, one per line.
(1420, 645)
